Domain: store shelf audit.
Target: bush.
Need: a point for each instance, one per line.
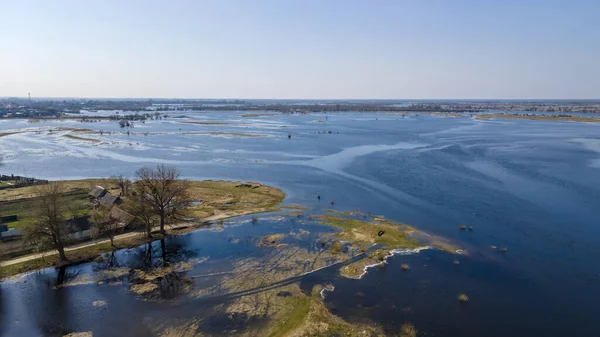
(408, 330)
(381, 255)
(336, 247)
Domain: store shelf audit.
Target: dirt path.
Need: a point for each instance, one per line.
(67, 249)
(117, 238)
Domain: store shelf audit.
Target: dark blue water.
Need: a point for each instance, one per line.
(530, 186)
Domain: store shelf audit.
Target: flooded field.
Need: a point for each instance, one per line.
(529, 264)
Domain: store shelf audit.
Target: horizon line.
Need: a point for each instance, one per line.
(304, 99)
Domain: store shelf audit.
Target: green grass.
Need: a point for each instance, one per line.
(301, 308)
(77, 203)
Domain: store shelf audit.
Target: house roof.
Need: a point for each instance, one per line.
(98, 192)
(78, 224)
(109, 199)
(120, 215)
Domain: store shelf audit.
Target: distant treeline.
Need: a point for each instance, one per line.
(19, 181)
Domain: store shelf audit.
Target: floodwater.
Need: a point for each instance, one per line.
(530, 186)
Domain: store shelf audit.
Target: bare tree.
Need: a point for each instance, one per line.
(49, 227)
(142, 211)
(102, 221)
(161, 188)
(123, 183)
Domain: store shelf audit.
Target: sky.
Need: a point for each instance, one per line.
(311, 49)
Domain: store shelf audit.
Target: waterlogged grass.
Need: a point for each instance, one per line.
(359, 231)
(257, 115)
(81, 138)
(295, 207)
(207, 123)
(333, 211)
(4, 134)
(292, 321)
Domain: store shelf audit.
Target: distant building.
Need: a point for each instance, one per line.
(104, 197)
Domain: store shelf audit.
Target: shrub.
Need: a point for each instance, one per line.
(336, 247)
(408, 330)
(462, 298)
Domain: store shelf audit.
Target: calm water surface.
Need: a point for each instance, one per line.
(530, 186)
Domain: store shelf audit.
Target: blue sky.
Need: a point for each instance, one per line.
(300, 49)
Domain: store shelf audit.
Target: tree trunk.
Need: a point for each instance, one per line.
(61, 252)
(149, 230)
(112, 240)
(162, 221)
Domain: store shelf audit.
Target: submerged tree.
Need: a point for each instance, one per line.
(161, 188)
(50, 229)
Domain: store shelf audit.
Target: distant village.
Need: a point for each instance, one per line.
(71, 108)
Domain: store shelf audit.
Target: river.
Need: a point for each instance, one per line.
(529, 186)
